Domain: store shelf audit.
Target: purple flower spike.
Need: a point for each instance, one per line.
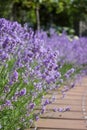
(43, 110)
(63, 95)
(37, 117)
(46, 102)
(72, 85)
(60, 109)
(55, 109)
(23, 92)
(8, 103)
(31, 105)
(14, 77)
(67, 108)
(5, 43)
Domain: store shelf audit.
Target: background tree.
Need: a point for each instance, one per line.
(45, 13)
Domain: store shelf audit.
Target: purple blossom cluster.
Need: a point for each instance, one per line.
(70, 50)
(30, 66)
(61, 109)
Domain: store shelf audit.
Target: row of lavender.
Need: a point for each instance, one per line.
(32, 64)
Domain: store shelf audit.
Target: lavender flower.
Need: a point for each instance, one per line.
(36, 117)
(72, 85)
(67, 108)
(60, 109)
(14, 77)
(8, 103)
(31, 105)
(5, 43)
(23, 92)
(47, 101)
(43, 110)
(55, 109)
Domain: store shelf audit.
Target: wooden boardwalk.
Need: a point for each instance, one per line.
(75, 119)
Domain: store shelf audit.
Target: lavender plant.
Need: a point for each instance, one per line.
(27, 71)
(30, 66)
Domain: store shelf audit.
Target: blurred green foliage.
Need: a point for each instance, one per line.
(46, 13)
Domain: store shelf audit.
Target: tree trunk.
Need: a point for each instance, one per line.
(38, 17)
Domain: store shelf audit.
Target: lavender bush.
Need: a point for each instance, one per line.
(30, 66)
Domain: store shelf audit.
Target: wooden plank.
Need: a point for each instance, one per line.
(66, 97)
(62, 124)
(73, 97)
(66, 101)
(70, 94)
(63, 115)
